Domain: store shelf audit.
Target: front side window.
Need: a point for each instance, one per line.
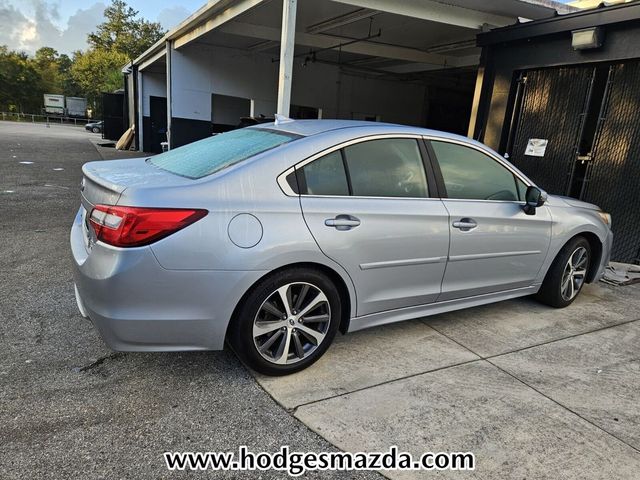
(471, 174)
(389, 167)
(204, 157)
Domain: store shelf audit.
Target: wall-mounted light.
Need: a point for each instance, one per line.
(587, 38)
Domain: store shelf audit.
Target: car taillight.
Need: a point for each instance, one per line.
(137, 226)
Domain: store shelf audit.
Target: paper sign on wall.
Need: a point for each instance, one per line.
(536, 147)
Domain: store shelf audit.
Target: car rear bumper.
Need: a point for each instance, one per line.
(137, 305)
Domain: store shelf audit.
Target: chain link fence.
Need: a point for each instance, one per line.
(51, 119)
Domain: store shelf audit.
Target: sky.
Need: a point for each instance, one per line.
(64, 24)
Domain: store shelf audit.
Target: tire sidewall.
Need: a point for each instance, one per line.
(552, 286)
(242, 329)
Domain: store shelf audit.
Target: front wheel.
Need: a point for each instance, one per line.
(287, 321)
(567, 274)
(95, 130)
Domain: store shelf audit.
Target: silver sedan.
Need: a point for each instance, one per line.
(275, 237)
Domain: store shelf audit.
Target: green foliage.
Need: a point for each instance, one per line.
(18, 77)
(123, 32)
(46, 63)
(117, 41)
(96, 71)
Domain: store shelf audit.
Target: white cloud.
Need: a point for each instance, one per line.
(20, 31)
(14, 26)
(79, 25)
(171, 16)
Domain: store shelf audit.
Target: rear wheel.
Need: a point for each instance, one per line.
(95, 130)
(287, 321)
(567, 274)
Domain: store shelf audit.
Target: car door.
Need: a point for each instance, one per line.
(368, 207)
(495, 246)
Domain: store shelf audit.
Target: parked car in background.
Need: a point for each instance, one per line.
(276, 236)
(95, 127)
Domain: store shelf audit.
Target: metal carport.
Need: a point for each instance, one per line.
(411, 62)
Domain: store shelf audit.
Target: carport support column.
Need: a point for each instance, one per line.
(139, 110)
(169, 47)
(287, 45)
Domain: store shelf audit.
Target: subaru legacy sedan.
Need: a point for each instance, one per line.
(277, 236)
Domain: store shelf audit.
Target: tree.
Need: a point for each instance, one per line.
(117, 41)
(46, 63)
(123, 32)
(96, 71)
(69, 85)
(17, 80)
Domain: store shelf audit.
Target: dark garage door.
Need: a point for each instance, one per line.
(551, 109)
(113, 115)
(614, 175)
(590, 117)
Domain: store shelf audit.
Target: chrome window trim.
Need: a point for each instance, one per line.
(286, 189)
(433, 199)
(516, 202)
(284, 185)
(489, 154)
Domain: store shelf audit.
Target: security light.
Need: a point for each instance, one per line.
(587, 38)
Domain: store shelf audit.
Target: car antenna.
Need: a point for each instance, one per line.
(282, 119)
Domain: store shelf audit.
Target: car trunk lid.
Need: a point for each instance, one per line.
(104, 182)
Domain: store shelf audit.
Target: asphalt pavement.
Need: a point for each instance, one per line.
(70, 407)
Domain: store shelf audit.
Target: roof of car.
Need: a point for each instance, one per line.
(313, 127)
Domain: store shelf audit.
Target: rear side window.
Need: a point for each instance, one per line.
(204, 157)
(374, 168)
(326, 176)
(386, 168)
(471, 174)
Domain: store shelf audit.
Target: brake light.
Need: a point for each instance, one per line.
(137, 226)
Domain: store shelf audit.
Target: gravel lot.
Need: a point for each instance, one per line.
(71, 408)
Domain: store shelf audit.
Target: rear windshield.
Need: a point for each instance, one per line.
(202, 158)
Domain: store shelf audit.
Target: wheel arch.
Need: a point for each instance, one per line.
(347, 298)
(596, 252)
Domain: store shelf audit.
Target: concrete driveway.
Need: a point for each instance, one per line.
(533, 392)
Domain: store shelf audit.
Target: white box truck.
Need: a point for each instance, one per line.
(77, 107)
(53, 104)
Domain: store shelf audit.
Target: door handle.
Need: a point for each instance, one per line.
(342, 222)
(465, 224)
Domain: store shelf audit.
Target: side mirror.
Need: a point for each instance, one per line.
(534, 198)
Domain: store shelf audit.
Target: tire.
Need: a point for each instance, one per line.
(306, 337)
(95, 130)
(563, 281)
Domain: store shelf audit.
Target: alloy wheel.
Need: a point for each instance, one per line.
(574, 274)
(291, 323)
